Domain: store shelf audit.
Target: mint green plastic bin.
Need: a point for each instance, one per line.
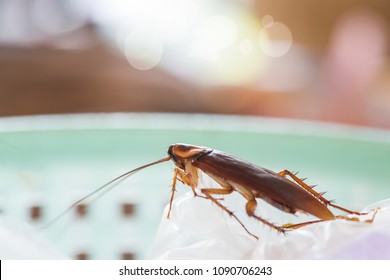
(49, 162)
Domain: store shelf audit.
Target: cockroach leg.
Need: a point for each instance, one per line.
(340, 217)
(296, 226)
(180, 175)
(250, 209)
(175, 178)
(299, 225)
(224, 191)
(373, 216)
(345, 210)
(300, 182)
(357, 213)
(186, 179)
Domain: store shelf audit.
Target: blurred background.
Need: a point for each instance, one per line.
(296, 59)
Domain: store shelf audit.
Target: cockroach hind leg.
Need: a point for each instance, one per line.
(355, 219)
(319, 195)
(347, 218)
(332, 204)
(290, 226)
(373, 216)
(303, 185)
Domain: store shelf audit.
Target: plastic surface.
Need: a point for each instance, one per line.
(199, 230)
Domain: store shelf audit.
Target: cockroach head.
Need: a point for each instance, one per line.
(180, 153)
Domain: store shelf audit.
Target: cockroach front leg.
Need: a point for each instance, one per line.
(225, 191)
(172, 192)
(187, 179)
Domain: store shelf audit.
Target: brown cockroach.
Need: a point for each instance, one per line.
(251, 181)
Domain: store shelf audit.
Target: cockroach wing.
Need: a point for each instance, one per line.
(262, 183)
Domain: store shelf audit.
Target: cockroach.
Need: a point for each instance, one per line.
(251, 181)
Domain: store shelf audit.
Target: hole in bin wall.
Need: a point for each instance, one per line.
(128, 256)
(81, 210)
(128, 209)
(35, 212)
(82, 256)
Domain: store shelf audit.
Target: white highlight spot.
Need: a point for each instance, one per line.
(246, 47)
(143, 48)
(275, 38)
(215, 33)
(267, 21)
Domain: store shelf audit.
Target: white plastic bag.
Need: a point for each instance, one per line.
(199, 229)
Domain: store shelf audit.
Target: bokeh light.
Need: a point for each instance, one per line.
(246, 46)
(194, 40)
(212, 35)
(275, 38)
(142, 49)
(257, 49)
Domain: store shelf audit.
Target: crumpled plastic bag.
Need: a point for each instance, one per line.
(198, 229)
